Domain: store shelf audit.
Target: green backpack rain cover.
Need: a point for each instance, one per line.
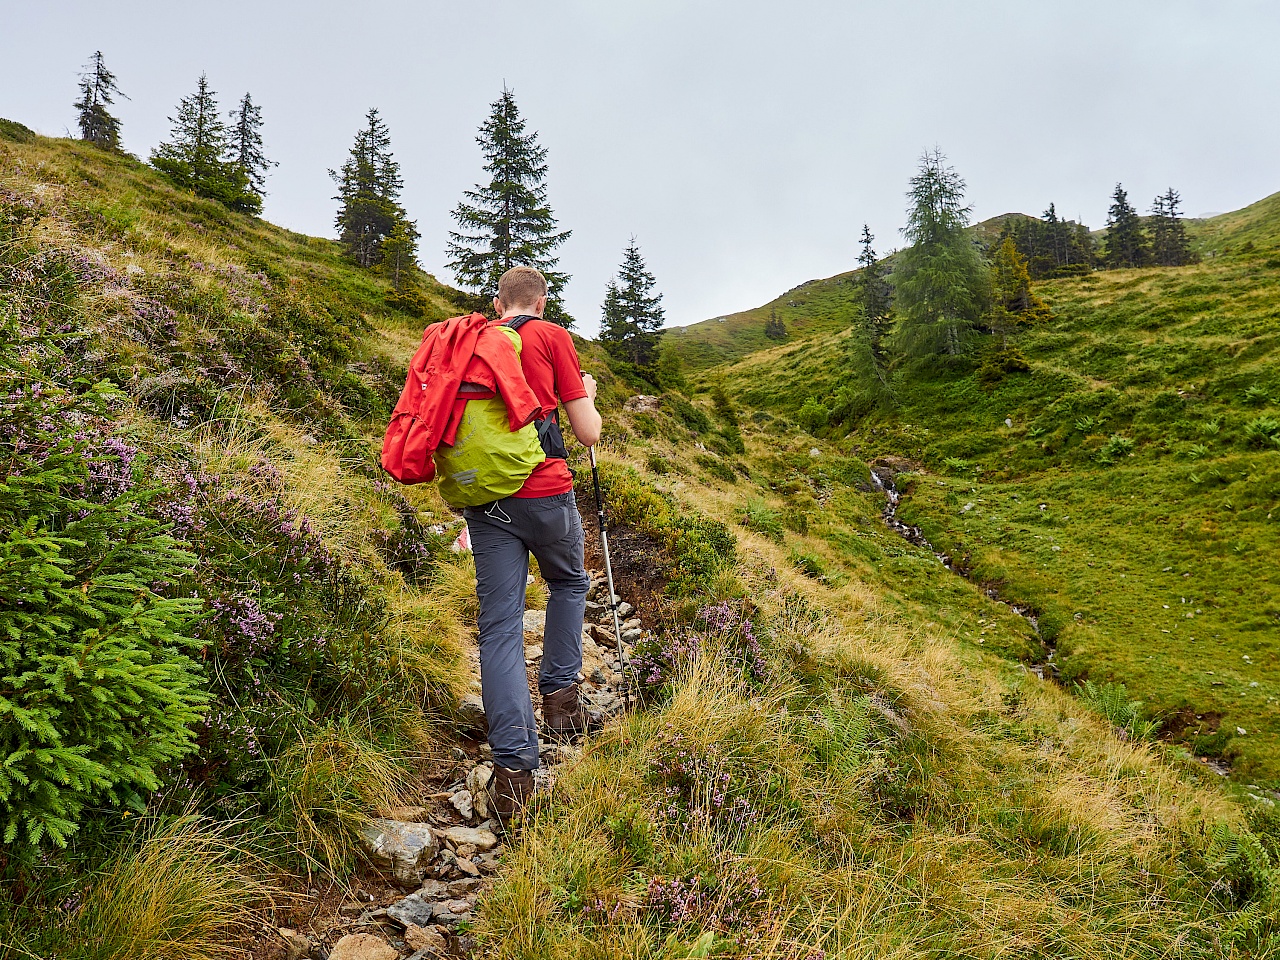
(488, 460)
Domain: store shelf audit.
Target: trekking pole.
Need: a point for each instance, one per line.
(608, 573)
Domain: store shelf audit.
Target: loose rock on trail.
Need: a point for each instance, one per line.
(437, 860)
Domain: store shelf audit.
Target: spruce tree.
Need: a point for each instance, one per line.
(632, 322)
(876, 297)
(97, 91)
(369, 186)
(197, 156)
(940, 283)
(246, 145)
(1126, 241)
(508, 222)
(400, 253)
(774, 327)
(1170, 245)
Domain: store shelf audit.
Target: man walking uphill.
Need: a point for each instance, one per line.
(540, 518)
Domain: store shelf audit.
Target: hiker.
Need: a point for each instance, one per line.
(540, 518)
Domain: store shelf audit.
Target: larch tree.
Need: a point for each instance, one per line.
(940, 283)
(245, 143)
(197, 156)
(97, 92)
(369, 186)
(1126, 243)
(508, 222)
(631, 326)
(1169, 242)
(1013, 301)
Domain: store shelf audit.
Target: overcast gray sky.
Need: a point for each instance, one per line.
(743, 143)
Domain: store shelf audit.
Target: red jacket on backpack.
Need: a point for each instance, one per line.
(460, 350)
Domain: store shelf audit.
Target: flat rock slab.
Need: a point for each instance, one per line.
(363, 946)
(413, 910)
(476, 837)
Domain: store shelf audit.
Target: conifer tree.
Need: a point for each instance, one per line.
(941, 284)
(1013, 301)
(508, 222)
(632, 323)
(97, 92)
(1126, 241)
(775, 328)
(876, 296)
(246, 145)
(1170, 245)
(197, 155)
(400, 252)
(369, 186)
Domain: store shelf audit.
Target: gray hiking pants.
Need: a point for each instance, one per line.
(503, 534)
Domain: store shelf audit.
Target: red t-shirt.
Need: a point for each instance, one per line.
(551, 367)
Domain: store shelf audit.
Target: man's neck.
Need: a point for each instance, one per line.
(519, 312)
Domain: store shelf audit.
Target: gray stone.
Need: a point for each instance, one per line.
(462, 888)
(471, 711)
(476, 837)
(413, 909)
(625, 609)
(438, 889)
(461, 801)
(535, 622)
(404, 849)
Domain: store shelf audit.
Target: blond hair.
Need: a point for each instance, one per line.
(521, 287)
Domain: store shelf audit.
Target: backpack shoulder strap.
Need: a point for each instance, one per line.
(515, 323)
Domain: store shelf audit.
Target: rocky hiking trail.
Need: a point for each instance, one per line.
(429, 865)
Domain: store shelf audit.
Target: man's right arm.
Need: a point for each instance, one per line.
(584, 418)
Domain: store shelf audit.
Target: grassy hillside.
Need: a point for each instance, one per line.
(1128, 488)
(836, 752)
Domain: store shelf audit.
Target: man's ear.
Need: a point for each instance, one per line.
(497, 306)
(541, 306)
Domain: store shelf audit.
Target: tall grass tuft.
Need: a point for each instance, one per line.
(181, 892)
(330, 781)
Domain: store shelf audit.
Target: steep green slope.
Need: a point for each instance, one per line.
(1134, 495)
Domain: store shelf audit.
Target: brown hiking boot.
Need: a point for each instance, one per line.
(509, 791)
(565, 717)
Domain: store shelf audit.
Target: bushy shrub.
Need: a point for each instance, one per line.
(689, 416)
(96, 691)
(813, 416)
